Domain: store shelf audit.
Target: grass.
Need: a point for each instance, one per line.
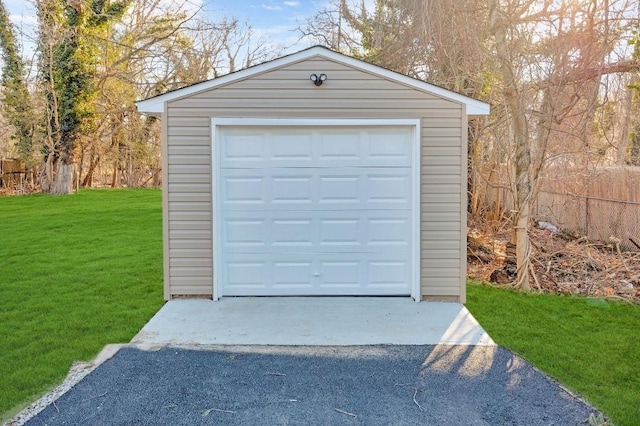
(589, 345)
(76, 272)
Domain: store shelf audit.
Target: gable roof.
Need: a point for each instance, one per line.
(155, 105)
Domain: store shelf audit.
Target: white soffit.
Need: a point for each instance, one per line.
(155, 105)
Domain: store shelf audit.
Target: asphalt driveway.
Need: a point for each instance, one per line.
(357, 385)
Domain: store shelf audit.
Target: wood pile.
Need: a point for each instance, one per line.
(561, 263)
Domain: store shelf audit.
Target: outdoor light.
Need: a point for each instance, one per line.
(318, 79)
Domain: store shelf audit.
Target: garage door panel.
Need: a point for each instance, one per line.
(342, 147)
(243, 190)
(322, 231)
(390, 147)
(244, 273)
(389, 274)
(291, 189)
(338, 189)
(316, 274)
(244, 233)
(292, 273)
(315, 188)
(294, 232)
(288, 147)
(389, 231)
(340, 231)
(345, 273)
(267, 147)
(242, 148)
(389, 189)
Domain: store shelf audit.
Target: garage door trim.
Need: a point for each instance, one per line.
(218, 124)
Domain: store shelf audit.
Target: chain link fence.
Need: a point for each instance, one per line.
(599, 219)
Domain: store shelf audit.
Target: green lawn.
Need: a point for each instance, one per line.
(589, 345)
(76, 272)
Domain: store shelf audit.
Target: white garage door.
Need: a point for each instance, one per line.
(314, 209)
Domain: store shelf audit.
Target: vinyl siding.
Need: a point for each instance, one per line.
(288, 93)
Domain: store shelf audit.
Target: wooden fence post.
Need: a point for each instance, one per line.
(586, 216)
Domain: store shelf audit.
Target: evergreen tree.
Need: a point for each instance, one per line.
(16, 102)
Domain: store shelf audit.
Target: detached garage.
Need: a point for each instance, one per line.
(314, 174)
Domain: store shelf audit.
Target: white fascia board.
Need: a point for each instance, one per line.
(474, 106)
(155, 105)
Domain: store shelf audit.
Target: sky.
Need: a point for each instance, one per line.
(275, 19)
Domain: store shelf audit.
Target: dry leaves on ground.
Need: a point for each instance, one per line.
(561, 262)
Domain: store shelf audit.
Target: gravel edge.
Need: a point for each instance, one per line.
(78, 371)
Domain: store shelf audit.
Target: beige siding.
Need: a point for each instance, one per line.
(287, 92)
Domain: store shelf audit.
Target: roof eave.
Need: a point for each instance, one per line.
(480, 108)
(150, 107)
(155, 105)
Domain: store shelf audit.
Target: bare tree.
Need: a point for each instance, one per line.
(523, 189)
(155, 48)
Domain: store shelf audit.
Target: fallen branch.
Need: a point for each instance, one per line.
(416, 401)
(97, 396)
(217, 410)
(345, 412)
(535, 276)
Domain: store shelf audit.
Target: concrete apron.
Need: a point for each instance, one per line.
(316, 321)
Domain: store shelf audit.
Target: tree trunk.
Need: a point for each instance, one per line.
(88, 179)
(63, 182)
(114, 178)
(622, 152)
(475, 160)
(130, 178)
(80, 165)
(45, 177)
(156, 177)
(522, 187)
